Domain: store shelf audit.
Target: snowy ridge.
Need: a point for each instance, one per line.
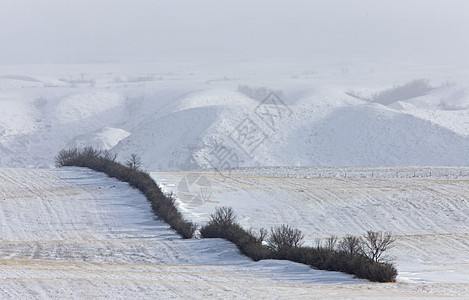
(174, 120)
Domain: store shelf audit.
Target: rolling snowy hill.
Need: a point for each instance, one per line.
(77, 232)
(178, 119)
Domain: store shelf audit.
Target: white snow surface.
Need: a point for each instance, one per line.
(75, 233)
(177, 115)
(428, 216)
(326, 159)
(103, 139)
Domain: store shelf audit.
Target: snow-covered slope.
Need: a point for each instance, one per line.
(197, 121)
(103, 139)
(337, 133)
(74, 233)
(177, 119)
(372, 134)
(428, 216)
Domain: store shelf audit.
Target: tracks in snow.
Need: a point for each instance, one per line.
(74, 233)
(429, 217)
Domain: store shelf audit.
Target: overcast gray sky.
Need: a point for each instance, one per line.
(93, 30)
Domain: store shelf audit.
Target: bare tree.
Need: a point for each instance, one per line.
(352, 245)
(284, 237)
(376, 243)
(134, 162)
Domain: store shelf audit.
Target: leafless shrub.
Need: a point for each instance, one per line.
(102, 161)
(284, 237)
(223, 217)
(376, 243)
(285, 242)
(65, 156)
(351, 245)
(223, 224)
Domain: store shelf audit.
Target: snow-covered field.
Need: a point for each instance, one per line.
(337, 149)
(73, 233)
(428, 216)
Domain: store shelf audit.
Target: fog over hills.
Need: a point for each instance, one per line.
(338, 118)
(176, 118)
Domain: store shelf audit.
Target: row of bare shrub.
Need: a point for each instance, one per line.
(163, 206)
(353, 255)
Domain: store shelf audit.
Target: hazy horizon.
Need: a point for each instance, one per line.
(91, 31)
